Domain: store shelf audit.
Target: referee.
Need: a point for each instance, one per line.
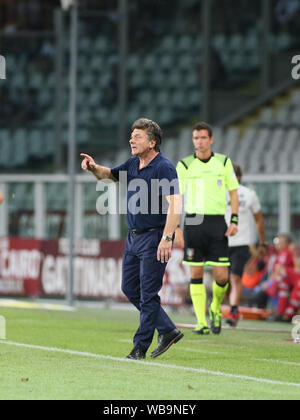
(204, 178)
(152, 216)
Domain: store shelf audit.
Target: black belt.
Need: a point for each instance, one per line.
(206, 216)
(140, 232)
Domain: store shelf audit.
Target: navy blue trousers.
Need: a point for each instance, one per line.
(142, 278)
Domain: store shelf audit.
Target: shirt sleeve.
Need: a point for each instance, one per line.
(121, 168)
(255, 204)
(167, 176)
(181, 171)
(230, 177)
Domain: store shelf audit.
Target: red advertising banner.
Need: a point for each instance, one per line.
(39, 268)
(20, 266)
(97, 268)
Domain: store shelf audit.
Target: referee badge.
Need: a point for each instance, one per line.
(220, 183)
(190, 252)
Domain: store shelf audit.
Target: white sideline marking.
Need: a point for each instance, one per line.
(282, 362)
(181, 348)
(199, 351)
(149, 364)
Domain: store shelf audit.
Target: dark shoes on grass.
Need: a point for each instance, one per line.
(137, 353)
(165, 342)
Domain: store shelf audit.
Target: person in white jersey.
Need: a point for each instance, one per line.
(239, 245)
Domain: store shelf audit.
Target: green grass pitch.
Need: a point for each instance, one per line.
(81, 355)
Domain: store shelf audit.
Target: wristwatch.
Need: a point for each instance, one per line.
(167, 238)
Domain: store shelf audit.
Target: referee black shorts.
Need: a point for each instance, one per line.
(206, 243)
(238, 256)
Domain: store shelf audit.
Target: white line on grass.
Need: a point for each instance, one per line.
(282, 362)
(198, 351)
(154, 364)
(181, 348)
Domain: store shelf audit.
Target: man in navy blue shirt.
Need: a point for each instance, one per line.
(153, 214)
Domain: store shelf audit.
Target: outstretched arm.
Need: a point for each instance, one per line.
(100, 172)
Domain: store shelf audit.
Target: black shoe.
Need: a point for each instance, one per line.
(215, 321)
(137, 353)
(165, 342)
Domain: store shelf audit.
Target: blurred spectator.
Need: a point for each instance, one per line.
(285, 256)
(29, 110)
(26, 14)
(1, 198)
(295, 251)
(230, 16)
(29, 13)
(254, 278)
(44, 60)
(8, 107)
(285, 279)
(286, 9)
(255, 269)
(218, 72)
(48, 50)
(10, 28)
(110, 92)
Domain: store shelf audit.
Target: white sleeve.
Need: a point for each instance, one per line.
(255, 204)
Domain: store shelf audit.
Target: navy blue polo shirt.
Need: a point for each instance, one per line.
(146, 190)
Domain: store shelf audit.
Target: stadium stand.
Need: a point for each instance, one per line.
(164, 83)
(163, 73)
(273, 128)
(171, 89)
(245, 146)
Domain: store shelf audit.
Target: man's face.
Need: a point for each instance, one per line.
(140, 143)
(280, 243)
(202, 141)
